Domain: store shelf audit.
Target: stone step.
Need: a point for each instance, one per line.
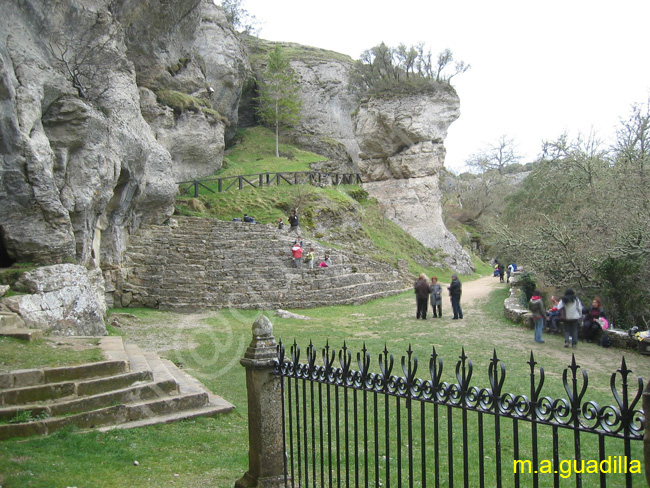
(137, 392)
(23, 334)
(33, 377)
(10, 321)
(164, 394)
(68, 389)
(107, 416)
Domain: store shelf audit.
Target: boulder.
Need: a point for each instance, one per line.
(62, 299)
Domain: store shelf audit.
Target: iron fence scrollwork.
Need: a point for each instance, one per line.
(355, 427)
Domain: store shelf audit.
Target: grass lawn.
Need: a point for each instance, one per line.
(213, 452)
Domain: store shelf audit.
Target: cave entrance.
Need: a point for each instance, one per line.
(5, 260)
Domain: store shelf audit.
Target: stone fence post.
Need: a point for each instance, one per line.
(265, 434)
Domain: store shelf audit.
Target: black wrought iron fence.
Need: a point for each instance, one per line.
(218, 185)
(353, 427)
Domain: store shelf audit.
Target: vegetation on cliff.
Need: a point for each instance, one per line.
(339, 216)
(390, 71)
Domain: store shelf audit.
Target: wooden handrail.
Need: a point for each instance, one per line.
(266, 179)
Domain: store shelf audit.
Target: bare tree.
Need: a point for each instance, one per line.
(495, 157)
(87, 55)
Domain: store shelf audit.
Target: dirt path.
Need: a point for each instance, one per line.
(478, 290)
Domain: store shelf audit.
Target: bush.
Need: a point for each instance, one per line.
(528, 286)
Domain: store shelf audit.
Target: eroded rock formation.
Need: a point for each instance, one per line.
(402, 155)
(88, 149)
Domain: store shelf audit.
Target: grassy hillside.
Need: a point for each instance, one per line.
(337, 216)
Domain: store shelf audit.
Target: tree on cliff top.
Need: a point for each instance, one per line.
(279, 99)
(384, 69)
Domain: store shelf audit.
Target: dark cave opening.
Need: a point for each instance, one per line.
(5, 260)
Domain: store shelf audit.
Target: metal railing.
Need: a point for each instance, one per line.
(352, 427)
(258, 180)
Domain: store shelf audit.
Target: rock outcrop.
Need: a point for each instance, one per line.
(402, 156)
(325, 126)
(89, 150)
(63, 299)
(396, 143)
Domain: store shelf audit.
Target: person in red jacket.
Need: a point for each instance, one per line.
(296, 250)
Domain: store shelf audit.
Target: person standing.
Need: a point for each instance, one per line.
(536, 306)
(296, 250)
(572, 315)
(501, 271)
(436, 297)
(294, 223)
(455, 291)
(422, 296)
(310, 258)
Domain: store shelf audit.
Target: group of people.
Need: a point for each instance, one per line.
(297, 253)
(500, 270)
(297, 249)
(570, 311)
(425, 291)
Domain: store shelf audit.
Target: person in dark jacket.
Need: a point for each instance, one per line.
(536, 306)
(591, 326)
(294, 223)
(455, 291)
(422, 296)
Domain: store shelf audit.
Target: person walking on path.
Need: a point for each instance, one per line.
(572, 315)
(536, 306)
(455, 291)
(436, 297)
(296, 250)
(421, 296)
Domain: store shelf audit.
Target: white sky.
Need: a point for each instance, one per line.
(538, 69)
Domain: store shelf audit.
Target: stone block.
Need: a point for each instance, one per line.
(27, 377)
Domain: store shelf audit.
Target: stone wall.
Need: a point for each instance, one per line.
(206, 263)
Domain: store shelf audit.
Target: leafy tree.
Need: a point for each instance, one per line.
(239, 17)
(279, 95)
(388, 69)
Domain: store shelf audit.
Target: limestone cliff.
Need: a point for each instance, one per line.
(396, 143)
(403, 154)
(325, 126)
(90, 146)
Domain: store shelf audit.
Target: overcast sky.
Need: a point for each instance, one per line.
(538, 69)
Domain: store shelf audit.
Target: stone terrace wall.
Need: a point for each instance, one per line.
(207, 263)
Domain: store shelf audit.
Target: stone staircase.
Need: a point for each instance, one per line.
(211, 264)
(131, 388)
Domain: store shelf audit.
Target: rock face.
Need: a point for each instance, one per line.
(64, 299)
(402, 155)
(325, 126)
(88, 150)
(396, 143)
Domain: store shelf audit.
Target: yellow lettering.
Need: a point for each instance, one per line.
(606, 465)
(575, 466)
(523, 463)
(545, 467)
(565, 468)
(635, 466)
(592, 466)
